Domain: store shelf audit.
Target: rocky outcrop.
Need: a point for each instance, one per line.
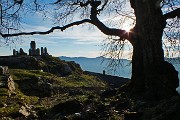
(11, 86)
(6, 80)
(28, 112)
(4, 70)
(8, 83)
(46, 63)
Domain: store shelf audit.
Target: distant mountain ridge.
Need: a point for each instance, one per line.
(96, 65)
(99, 64)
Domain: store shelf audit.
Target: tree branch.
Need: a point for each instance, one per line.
(172, 14)
(47, 32)
(58, 1)
(93, 20)
(106, 30)
(103, 6)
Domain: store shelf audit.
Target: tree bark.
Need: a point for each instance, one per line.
(152, 77)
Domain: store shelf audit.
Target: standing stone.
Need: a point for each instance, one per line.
(104, 72)
(11, 86)
(14, 52)
(42, 50)
(4, 70)
(30, 52)
(21, 52)
(45, 51)
(37, 51)
(17, 53)
(33, 47)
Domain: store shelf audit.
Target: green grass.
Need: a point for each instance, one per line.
(70, 82)
(20, 74)
(5, 111)
(83, 81)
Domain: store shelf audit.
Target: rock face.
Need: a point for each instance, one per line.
(44, 87)
(28, 111)
(46, 63)
(4, 77)
(4, 70)
(11, 86)
(8, 82)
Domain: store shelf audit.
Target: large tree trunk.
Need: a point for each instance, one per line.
(152, 77)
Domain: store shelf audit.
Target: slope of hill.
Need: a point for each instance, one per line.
(99, 64)
(96, 65)
(48, 88)
(40, 93)
(46, 63)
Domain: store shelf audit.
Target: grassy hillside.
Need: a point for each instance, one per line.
(46, 63)
(47, 88)
(43, 90)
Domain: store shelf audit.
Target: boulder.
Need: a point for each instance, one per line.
(45, 87)
(27, 111)
(68, 107)
(11, 86)
(4, 70)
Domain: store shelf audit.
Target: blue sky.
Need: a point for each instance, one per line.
(74, 42)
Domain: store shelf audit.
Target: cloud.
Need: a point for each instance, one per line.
(89, 54)
(79, 34)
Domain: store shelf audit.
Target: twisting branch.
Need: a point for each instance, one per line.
(85, 4)
(172, 14)
(93, 20)
(58, 1)
(49, 31)
(108, 31)
(103, 6)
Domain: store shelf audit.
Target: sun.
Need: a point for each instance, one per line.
(127, 28)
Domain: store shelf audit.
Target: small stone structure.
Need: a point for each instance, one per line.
(11, 86)
(36, 52)
(104, 72)
(4, 70)
(6, 80)
(32, 51)
(21, 52)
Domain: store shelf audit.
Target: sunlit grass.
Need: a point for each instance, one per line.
(81, 83)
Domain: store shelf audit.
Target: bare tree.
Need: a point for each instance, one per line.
(152, 77)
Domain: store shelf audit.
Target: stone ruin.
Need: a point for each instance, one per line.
(6, 80)
(21, 52)
(11, 86)
(4, 70)
(32, 51)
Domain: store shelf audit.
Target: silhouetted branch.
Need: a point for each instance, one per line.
(47, 32)
(93, 20)
(172, 14)
(106, 30)
(85, 4)
(58, 1)
(103, 6)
